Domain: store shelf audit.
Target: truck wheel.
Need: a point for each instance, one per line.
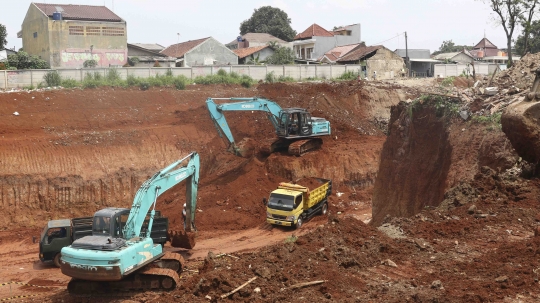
(299, 223)
(324, 209)
(57, 259)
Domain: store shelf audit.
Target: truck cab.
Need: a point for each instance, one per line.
(293, 203)
(55, 235)
(284, 207)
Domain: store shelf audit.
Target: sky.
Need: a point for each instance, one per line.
(427, 22)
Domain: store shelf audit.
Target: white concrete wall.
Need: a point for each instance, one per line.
(453, 70)
(24, 78)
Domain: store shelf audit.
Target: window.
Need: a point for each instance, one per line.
(93, 31)
(112, 31)
(76, 30)
(309, 51)
(35, 35)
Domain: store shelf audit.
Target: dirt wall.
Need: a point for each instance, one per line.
(429, 151)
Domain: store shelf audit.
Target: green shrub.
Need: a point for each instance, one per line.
(348, 75)
(245, 83)
(180, 82)
(283, 78)
(169, 73)
(222, 72)
(90, 63)
(70, 83)
(132, 80)
(144, 85)
(52, 78)
(30, 87)
(234, 75)
(291, 239)
(448, 81)
(270, 77)
(112, 75)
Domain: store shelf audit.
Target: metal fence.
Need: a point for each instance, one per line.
(25, 78)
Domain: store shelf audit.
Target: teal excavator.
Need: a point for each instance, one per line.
(119, 255)
(297, 131)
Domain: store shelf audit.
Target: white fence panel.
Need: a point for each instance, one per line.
(292, 71)
(241, 69)
(338, 70)
(276, 69)
(307, 71)
(258, 72)
(324, 71)
(201, 71)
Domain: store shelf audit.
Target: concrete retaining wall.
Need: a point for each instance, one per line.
(24, 78)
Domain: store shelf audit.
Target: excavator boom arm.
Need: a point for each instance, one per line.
(146, 196)
(272, 110)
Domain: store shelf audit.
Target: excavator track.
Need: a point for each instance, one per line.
(148, 278)
(172, 261)
(301, 147)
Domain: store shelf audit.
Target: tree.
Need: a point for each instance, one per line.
(270, 20)
(282, 55)
(508, 14)
(449, 46)
(254, 60)
(526, 22)
(533, 42)
(22, 60)
(3, 35)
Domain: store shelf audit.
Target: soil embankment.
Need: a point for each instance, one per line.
(430, 150)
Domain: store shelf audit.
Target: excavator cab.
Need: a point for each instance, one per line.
(295, 122)
(110, 222)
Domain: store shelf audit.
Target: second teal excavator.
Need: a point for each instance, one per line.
(298, 132)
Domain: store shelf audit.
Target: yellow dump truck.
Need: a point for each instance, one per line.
(291, 204)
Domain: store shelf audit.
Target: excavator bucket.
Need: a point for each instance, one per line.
(182, 239)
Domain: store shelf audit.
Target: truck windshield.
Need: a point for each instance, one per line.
(281, 202)
(101, 225)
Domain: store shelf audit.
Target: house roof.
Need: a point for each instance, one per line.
(149, 46)
(338, 52)
(244, 52)
(485, 43)
(313, 30)
(79, 12)
(179, 49)
(450, 56)
(414, 53)
(360, 53)
(258, 37)
(443, 56)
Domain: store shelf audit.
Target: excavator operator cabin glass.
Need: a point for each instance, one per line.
(101, 225)
(283, 120)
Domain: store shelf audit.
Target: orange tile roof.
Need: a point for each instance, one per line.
(244, 52)
(339, 51)
(79, 12)
(178, 50)
(485, 43)
(314, 30)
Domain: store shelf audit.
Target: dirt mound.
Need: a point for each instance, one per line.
(521, 74)
(428, 151)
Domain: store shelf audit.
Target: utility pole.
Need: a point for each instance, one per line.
(407, 56)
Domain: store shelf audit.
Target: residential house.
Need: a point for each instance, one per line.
(256, 39)
(455, 57)
(488, 52)
(336, 53)
(421, 64)
(253, 55)
(315, 41)
(147, 54)
(377, 58)
(67, 35)
(5, 53)
(205, 51)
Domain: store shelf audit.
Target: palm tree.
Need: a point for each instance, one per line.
(254, 60)
(274, 45)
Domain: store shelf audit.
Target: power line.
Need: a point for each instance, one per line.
(389, 39)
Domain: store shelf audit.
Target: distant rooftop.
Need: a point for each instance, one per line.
(313, 30)
(178, 50)
(79, 12)
(258, 37)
